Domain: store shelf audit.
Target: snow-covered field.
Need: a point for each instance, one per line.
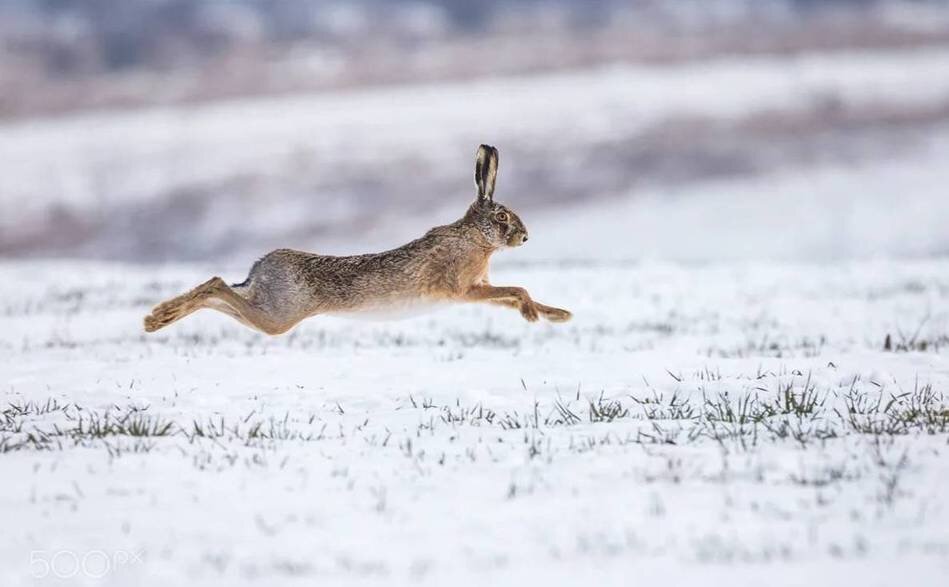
(724, 424)
(744, 397)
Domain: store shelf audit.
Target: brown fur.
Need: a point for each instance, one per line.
(449, 263)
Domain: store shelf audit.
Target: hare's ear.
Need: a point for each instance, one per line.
(486, 172)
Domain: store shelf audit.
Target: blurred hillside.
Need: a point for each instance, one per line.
(151, 130)
(61, 55)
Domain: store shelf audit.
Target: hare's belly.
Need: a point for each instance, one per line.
(393, 310)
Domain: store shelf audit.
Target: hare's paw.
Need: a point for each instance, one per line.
(529, 311)
(152, 323)
(163, 315)
(158, 320)
(556, 314)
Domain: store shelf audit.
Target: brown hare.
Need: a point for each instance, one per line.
(448, 264)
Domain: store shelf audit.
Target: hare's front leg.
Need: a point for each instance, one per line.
(553, 314)
(514, 297)
(549, 312)
(518, 298)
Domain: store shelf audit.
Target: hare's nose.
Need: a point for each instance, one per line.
(524, 238)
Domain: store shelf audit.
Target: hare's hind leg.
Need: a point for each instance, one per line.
(216, 295)
(177, 308)
(226, 300)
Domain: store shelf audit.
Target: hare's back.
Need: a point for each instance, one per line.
(330, 283)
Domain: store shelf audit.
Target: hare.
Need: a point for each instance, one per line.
(448, 264)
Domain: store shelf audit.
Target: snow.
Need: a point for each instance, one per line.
(364, 453)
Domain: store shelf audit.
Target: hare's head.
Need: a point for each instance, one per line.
(498, 223)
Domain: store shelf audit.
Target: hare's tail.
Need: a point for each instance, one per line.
(177, 308)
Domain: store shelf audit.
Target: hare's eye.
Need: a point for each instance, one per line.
(502, 216)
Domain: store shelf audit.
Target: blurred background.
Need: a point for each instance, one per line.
(184, 130)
